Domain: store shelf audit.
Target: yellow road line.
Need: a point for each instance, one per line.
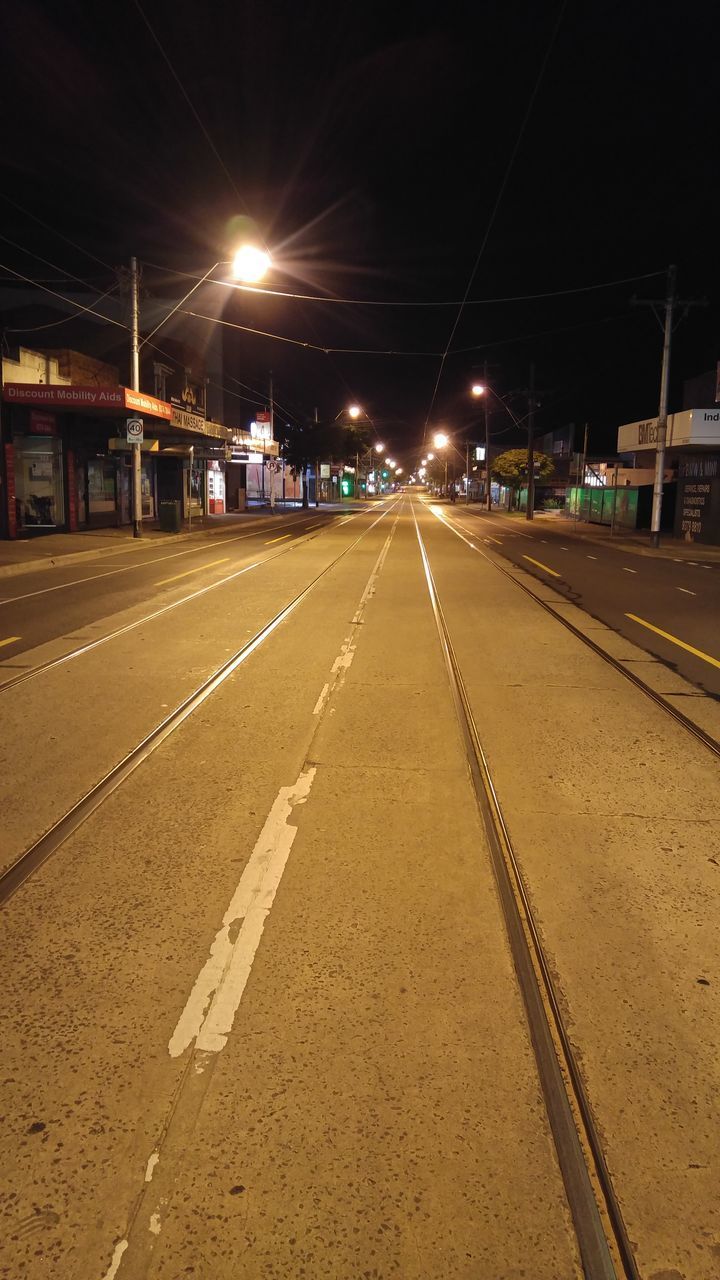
(280, 539)
(715, 662)
(10, 640)
(163, 581)
(540, 565)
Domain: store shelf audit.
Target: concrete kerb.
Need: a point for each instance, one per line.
(124, 543)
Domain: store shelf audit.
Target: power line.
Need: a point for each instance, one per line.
(68, 301)
(379, 302)
(187, 98)
(496, 206)
(53, 324)
(310, 346)
(55, 232)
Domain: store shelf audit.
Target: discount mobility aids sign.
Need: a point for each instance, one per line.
(53, 396)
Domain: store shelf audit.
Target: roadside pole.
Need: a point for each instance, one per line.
(529, 509)
(135, 383)
(467, 472)
(662, 411)
(612, 518)
(488, 490)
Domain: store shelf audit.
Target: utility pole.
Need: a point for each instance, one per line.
(317, 471)
(670, 298)
(135, 384)
(671, 302)
(529, 511)
(467, 472)
(488, 491)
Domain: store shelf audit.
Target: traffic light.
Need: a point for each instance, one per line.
(346, 486)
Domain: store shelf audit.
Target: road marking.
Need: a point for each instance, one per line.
(698, 653)
(592, 557)
(626, 570)
(491, 539)
(280, 539)
(540, 565)
(687, 592)
(564, 548)
(210, 564)
(692, 562)
(9, 640)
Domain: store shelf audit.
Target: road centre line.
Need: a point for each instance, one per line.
(698, 653)
(686, 591)
(109, 573)
(9, 640)
(209, 1012)
(209, 565)
(540, 565)
(282, 538)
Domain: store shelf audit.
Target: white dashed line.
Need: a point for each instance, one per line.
(686, 592)
(626, 570)
(592, 557)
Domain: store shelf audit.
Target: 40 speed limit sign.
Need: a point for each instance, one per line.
(134, 430)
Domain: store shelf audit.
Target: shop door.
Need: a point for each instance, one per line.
(123, 480)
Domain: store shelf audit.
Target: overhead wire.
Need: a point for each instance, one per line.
(496, 206)
(190, 104)
(55, 232)
(380, 302)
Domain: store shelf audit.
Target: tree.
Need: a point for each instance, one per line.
(304, 445)
(511, 469)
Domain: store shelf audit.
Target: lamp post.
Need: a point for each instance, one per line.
(441, 441)
(481, 389)
(249, 265)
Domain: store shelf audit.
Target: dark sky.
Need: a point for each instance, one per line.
(370, 142)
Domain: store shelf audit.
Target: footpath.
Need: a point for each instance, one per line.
(24, 555)
(636, 541)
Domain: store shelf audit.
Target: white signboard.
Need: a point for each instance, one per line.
(324, 470)
(134, 430)
(692, 427)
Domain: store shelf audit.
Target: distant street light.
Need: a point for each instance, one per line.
(440, 440)
(379, 448)
(354, 411)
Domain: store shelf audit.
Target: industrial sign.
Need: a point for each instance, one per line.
(135, 430)
(691, 427)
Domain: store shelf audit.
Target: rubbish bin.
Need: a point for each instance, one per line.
(170, 516)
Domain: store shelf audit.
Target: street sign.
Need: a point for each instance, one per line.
(324, 470)
(134, 430)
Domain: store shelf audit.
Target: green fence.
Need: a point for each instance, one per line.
(596, 505)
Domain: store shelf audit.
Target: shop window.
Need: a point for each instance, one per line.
(101, 486)
(39, 495)
(146, 489)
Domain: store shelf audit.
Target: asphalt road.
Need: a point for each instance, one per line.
(260, 1014)
(45, 604)
(678, 597)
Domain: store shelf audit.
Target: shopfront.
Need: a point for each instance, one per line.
(39, 486)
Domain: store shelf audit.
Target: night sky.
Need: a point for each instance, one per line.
(370, 144)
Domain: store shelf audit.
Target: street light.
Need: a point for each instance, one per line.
(250, 263)
(354, 411)
(479, 389)
(441, 441)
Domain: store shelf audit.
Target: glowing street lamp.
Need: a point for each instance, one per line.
(250, 263)
(479, 389)
(440, 440)
(354, 411)
(379, 448)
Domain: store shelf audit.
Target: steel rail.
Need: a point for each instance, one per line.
(90, 645)
(43, 848)
(603, 1243)
(683, 720)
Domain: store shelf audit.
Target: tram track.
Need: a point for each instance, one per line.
(46, 845)
(689, 725)
(42, 667)
(603, 1243)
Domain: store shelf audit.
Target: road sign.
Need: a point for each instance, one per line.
(134, 430)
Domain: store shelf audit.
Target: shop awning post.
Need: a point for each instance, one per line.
(135, 384)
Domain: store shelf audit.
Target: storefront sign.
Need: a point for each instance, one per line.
(141, 402)
(697, 510)
(42, 424)
(692, 426)
(261, 428)
(239, 455)
(193, 422)
(62, 397)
